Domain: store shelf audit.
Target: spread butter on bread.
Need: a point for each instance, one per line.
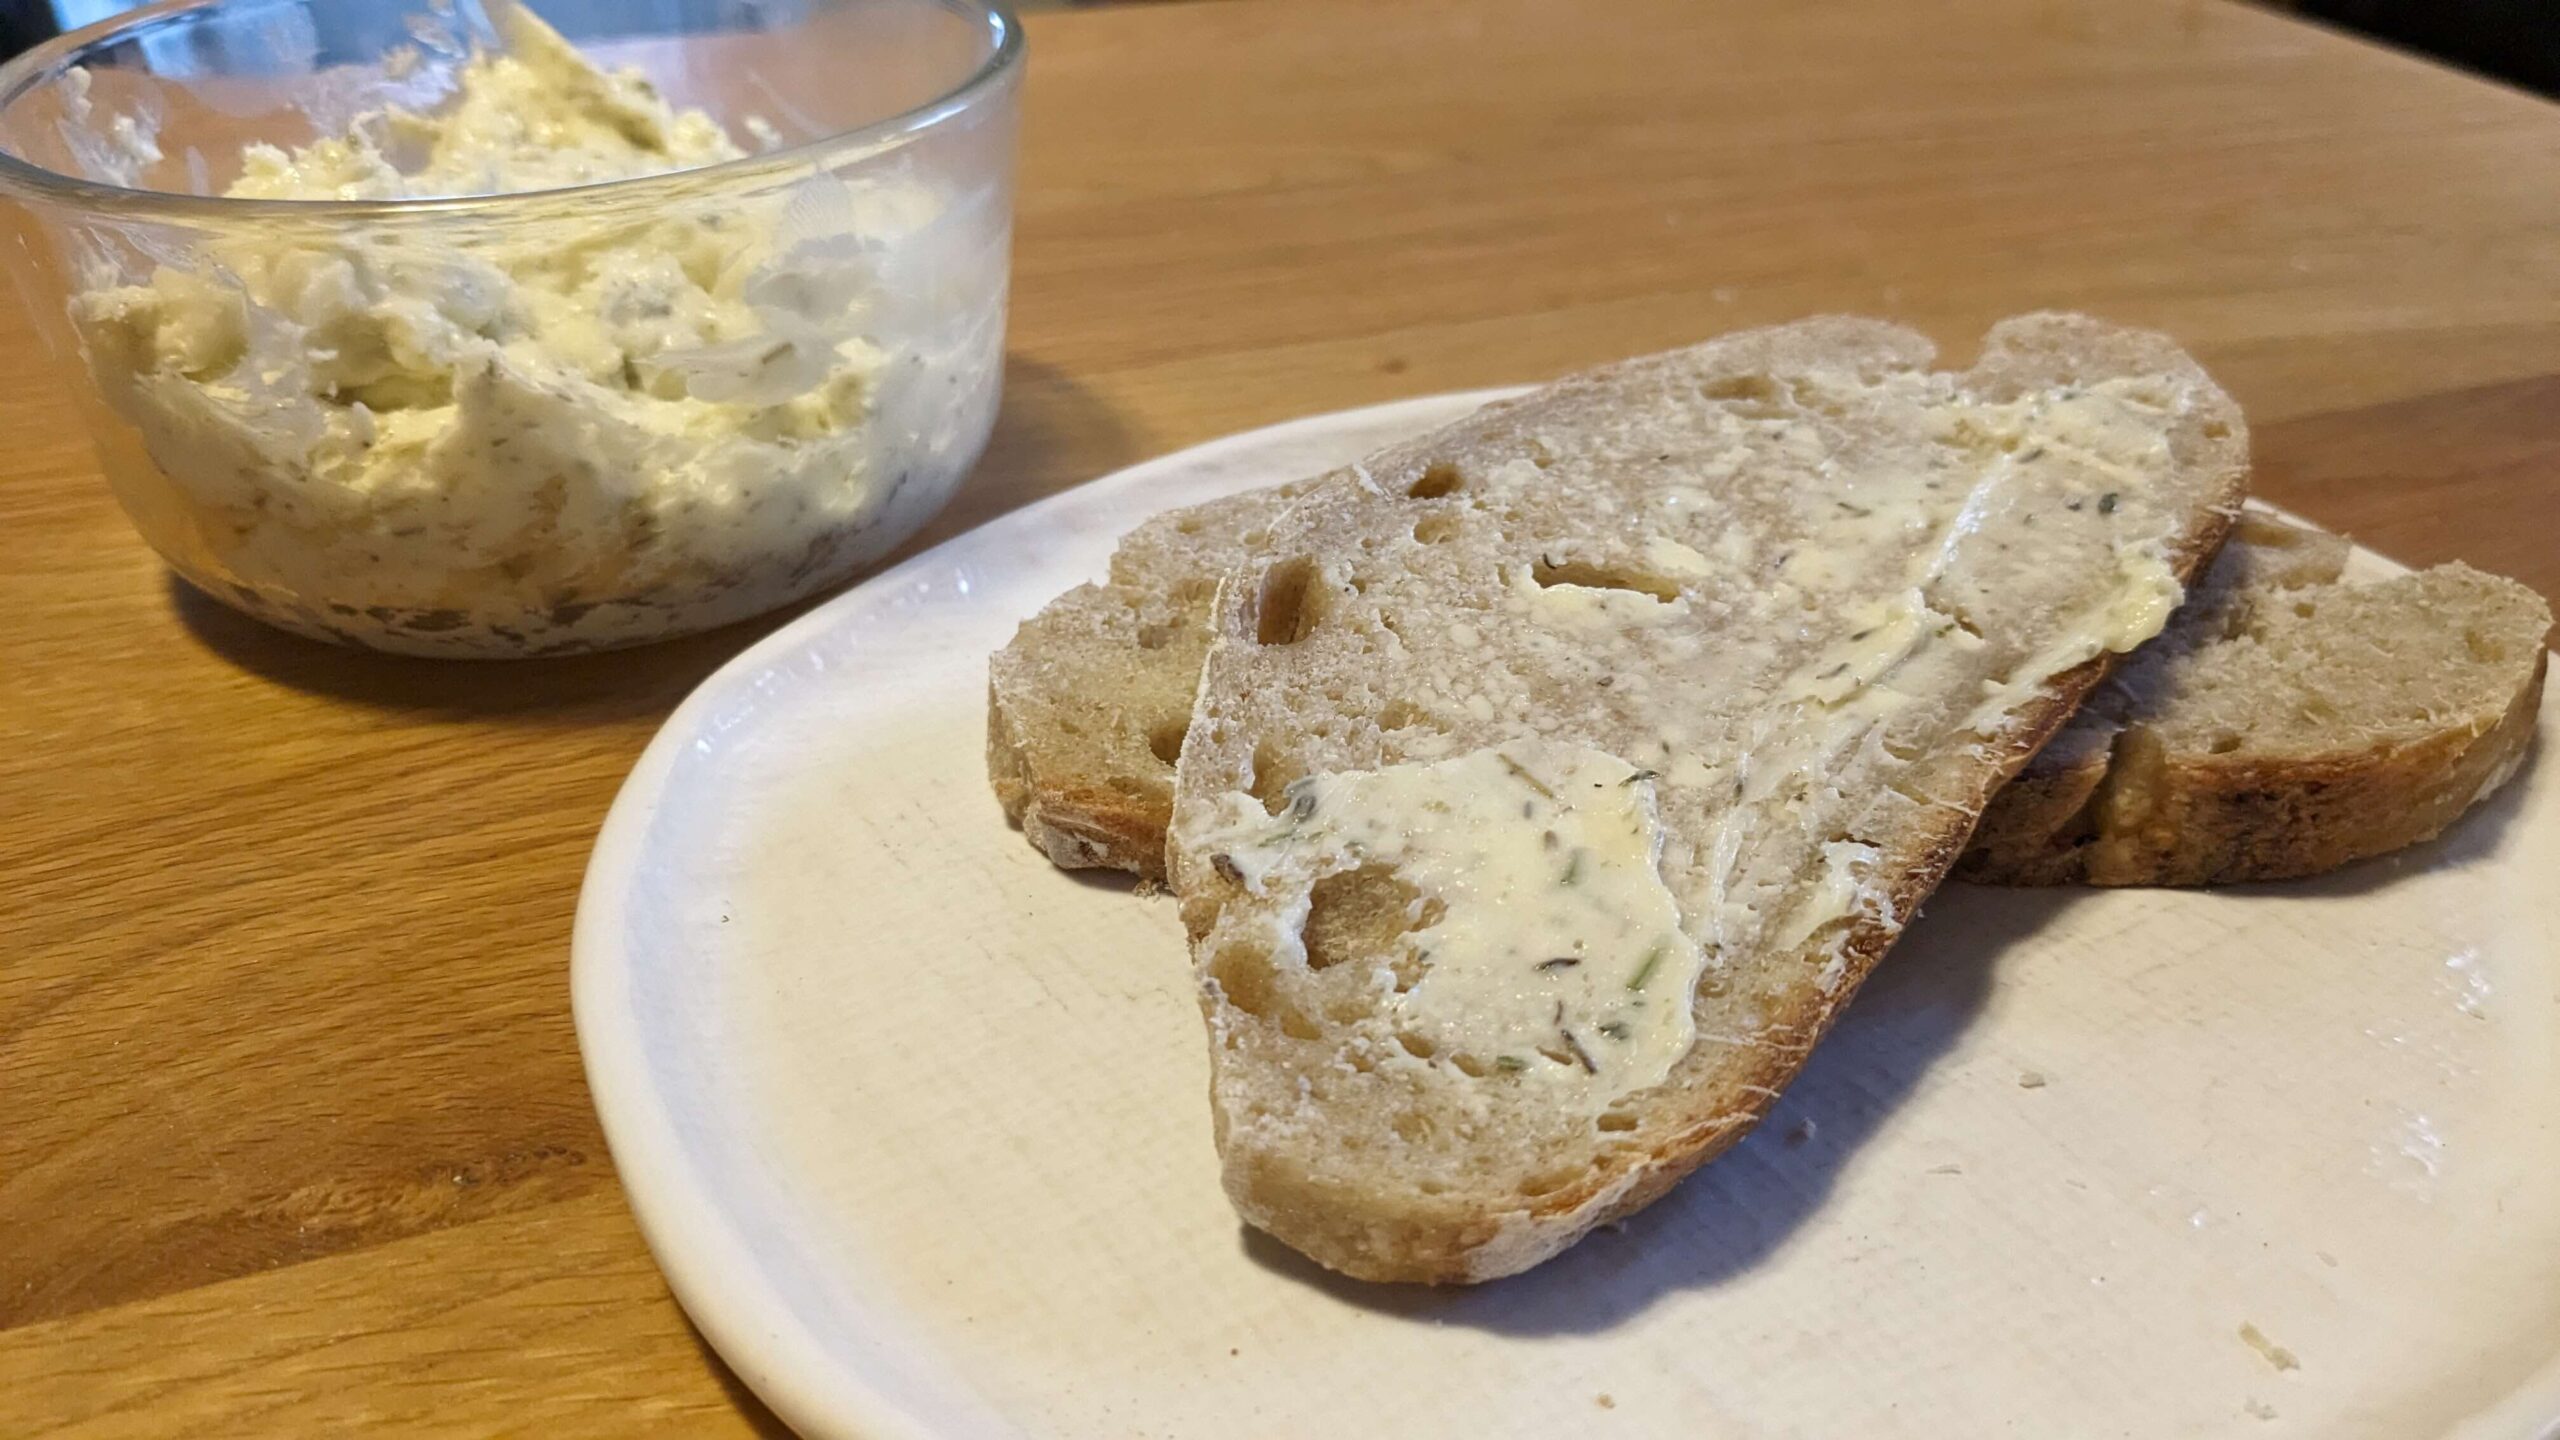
(1554, 779)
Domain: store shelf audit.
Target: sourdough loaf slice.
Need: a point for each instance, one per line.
(1553, 780)
(2286, 724)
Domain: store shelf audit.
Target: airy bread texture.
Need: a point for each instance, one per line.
(1748, 633)
(2287, 724)
(1086, 709)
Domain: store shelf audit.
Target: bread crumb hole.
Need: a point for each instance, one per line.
(1363, 914)
(2483, 649)
(1548, 1182)
(1416, 1046)
(1469, 1065)
(1155, 637)
(1437, 528)
(1127, 785)
(1602, 577)
(1438, 479)
(1349, 1010)
(1741, 387)
(1432, 1187)
(1412, 1129)
(1288, 603)
(1295, 1024)
(2224, 744)
(1165, 737)
(1617, 1122)
(1244, 978)
(1271, 777)
(1409, 967)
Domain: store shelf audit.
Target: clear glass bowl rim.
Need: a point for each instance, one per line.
(23, 180)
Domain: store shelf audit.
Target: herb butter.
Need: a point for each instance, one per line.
(1547, 949)
(582, 422)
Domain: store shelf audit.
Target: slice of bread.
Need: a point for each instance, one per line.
(2286, 724)
(1554, 780)
(1088, 706)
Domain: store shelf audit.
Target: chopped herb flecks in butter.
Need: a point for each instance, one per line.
(590, 418)
(1548, 947)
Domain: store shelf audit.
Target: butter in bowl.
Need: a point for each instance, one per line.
(432, 329)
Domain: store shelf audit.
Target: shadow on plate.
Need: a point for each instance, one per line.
(1112, 882)
(1051, 433)
(1741, 1208)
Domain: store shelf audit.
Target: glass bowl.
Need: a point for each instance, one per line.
(555, 402)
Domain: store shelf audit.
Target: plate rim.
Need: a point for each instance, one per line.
(721, 1292)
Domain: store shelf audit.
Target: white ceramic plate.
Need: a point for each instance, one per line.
(916, 1124)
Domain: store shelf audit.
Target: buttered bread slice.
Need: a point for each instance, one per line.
(2282, 725)
(1555, 779)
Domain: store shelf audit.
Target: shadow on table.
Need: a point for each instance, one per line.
(1051, 433)
(1740, 1209)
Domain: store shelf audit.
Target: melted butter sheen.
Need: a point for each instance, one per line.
(1557, 955)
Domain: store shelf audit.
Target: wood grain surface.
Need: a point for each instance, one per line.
(292, 1133)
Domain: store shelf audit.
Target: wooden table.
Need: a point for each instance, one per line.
(292, 1134)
